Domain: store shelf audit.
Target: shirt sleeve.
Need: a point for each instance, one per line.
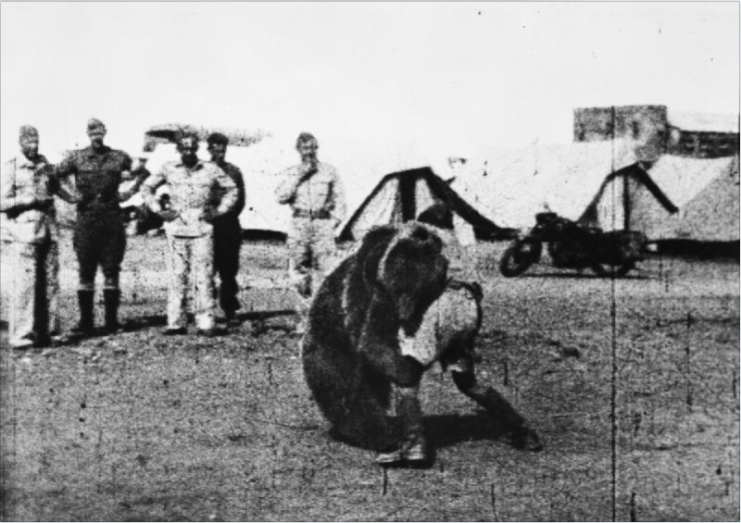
(9, 201)
(286, 190)
(126, 166)
(67, 166)
(149, 188)
(229, 191)
(238, 179)
(338, 204)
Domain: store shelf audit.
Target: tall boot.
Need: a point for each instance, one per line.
(414, 447)
(85, 300)
(111, 300)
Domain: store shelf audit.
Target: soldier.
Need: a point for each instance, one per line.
(200, 192)
(316, 196)
(227, 232)
(29, 236)
(100, 235)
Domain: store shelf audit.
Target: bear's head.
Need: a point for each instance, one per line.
(409, 269)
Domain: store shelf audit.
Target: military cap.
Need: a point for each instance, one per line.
(94, 123)
(28, 131)
(305, 137)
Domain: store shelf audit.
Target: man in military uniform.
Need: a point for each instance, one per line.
(316, 196)
(99, 236)
(200, 192)
(227, 231)
(29, 236)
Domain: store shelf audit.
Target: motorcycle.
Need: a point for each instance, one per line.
(575, 246)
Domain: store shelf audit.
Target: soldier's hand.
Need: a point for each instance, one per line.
(306, 171)
(43, 204)
(168, 215)
(209, 215)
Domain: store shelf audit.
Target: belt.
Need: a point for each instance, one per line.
(314, 215)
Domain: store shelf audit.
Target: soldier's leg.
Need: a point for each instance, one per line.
(111, 258)
(227, 243)
(299, 267)
(86, 246)
(22, 286)
(413, 448)
(202, 270)
(324, 251)
(52, 289)
(41, 300)
(177, 268)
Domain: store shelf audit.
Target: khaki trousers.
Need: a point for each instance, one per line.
(191, 268)
(33, 291)
(311, 251)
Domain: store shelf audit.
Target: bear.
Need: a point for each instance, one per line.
(352, 354)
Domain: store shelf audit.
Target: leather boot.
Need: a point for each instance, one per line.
(85, 300)
(111, 300)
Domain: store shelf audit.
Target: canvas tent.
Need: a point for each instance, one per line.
(403, 195)
(628, 199)
(599, 183)
(707, 194)
(511, 185)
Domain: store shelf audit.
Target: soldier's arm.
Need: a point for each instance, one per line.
(241, 192)
(65, 192)
(286, 191)
(338, 204)
(128, 174)
(149, 188)
(67, 166)
(140, 175)
(10, 202)
(229, 192)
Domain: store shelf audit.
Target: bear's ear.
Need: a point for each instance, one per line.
(371, 265)
(371, 251)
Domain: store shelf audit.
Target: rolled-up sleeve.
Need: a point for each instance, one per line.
(228, 189)
(9, 199)
(286, 190)
(338, 204)
(149, 189)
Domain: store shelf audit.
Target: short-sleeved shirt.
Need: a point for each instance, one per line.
(98, 175)
(322, 193)
(235, 174)
(22, 183)
(193, 190)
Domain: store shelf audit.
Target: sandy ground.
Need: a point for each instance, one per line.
(139, 427)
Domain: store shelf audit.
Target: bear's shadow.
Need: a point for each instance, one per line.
(447, 430)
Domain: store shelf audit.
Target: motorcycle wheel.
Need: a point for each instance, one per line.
(613, 271)
(519, 257)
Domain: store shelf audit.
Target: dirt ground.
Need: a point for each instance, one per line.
(140, 427)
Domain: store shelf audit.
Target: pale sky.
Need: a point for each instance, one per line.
(454, 76)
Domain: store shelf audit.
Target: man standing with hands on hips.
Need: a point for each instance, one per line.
(317, 198)
(200, 193)
(100, 235)
(227, 232)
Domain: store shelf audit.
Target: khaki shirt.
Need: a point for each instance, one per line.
(22, 184)
(193, 191)
(98, 175)
(322, 193)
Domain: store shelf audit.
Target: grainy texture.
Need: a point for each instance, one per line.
(142, 427)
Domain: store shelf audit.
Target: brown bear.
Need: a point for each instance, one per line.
(352, 355)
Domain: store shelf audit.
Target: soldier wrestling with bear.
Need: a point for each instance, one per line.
(383, 317)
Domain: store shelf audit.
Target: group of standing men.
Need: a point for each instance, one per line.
(201, 224)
